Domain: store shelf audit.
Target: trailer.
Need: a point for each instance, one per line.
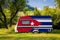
(34, 24)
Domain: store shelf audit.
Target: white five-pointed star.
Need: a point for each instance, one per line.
(32, 23)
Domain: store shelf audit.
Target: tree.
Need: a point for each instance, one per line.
(54, 13)
(57, 3)
(46, 10)
(28, 9)
(58, 12)
(1, 12)
(25, 10)
(15, 6)
(36, 12)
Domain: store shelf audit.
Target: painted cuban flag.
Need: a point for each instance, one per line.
(34, 23)
(44, 21)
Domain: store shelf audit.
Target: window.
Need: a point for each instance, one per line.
(25, 22)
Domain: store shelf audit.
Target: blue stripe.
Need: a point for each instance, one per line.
(44, 30)
(45, 23)
(41, 17)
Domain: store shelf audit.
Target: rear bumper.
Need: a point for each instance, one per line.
(16, 29)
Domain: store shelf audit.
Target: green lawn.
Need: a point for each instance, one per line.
(30, 36)
(9, 34)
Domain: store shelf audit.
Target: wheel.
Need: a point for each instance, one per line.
(35, 31)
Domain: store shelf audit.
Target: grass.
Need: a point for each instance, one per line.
(9, 34)
(30, 36)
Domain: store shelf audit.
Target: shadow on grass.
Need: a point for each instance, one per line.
(55, 31)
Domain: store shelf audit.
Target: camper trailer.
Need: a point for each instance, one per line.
(34, 24)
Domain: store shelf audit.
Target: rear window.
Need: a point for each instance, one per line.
(25, 22)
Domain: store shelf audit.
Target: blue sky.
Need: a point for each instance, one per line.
(41, 3)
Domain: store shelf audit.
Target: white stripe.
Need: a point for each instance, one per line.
(43, 28)
(37, 26)
(44, 20)
(45, 25)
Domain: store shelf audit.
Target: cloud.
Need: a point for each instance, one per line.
(39, 8)
(51, 6)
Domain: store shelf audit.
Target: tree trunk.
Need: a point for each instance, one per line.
(10, 22)
(5, 24)
(1, 20)
(13, 17)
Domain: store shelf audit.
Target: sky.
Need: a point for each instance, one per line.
(39, 4)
